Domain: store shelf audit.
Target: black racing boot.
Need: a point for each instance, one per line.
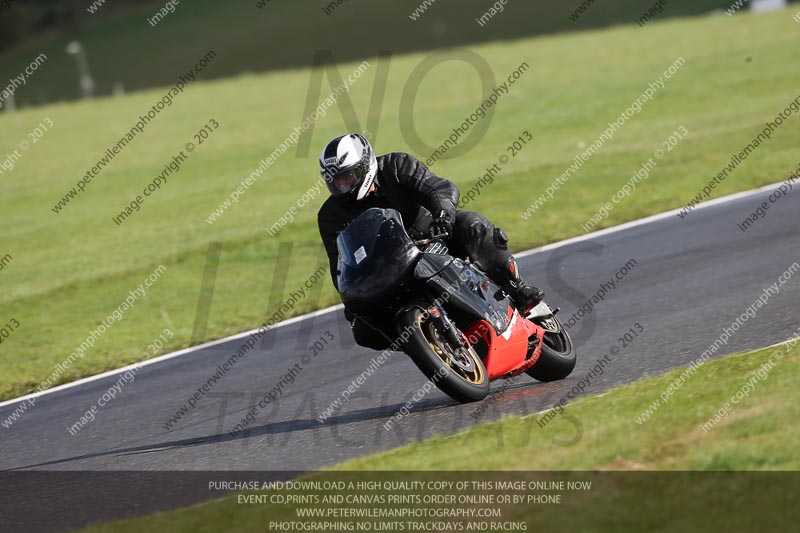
(525, 296)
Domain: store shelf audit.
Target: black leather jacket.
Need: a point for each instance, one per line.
(403, 183)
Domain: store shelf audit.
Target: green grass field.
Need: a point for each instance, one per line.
(600, 433)
(70, 270)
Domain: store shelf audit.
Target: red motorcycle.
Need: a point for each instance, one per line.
(457, 325)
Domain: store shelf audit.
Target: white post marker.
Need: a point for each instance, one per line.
(762, 6)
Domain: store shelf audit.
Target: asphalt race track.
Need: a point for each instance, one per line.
(692, 278)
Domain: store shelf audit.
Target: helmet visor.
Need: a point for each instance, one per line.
(343, 182)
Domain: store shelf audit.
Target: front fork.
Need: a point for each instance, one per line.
(445, 326)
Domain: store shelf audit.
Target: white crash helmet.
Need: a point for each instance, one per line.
(348, 166)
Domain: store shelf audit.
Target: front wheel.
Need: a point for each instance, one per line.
(558, 355)
(459, 373)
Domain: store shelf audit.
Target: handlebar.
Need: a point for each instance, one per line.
(428, 240)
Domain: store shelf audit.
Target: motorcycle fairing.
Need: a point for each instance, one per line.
(472, 293)
(431, 264)
(507, 353)
(375, 255)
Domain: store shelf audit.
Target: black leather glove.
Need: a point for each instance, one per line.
(415, 234)
(443, 223)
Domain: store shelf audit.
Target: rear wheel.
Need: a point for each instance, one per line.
(459, 373)
(558, 355)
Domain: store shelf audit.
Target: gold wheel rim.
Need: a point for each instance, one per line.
(476, 377)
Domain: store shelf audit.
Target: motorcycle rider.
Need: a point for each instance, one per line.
(358, 180)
